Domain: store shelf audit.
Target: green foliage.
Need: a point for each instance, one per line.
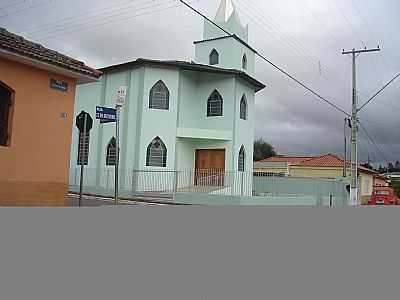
(396, 186)
(263, 150)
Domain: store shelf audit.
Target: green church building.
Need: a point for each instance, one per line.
(178, 116)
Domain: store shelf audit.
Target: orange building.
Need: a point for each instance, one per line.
(37, 92)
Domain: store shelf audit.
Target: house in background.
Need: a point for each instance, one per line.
(179, 115)
(37, 91)
(325, 166)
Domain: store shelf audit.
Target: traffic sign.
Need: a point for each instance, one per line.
(106, 114)
(121, 95)
(80, 122)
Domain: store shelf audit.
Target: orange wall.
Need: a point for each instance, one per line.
(40, 139)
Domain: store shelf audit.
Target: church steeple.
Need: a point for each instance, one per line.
(228, 19)
(222, 50)
(225, 11)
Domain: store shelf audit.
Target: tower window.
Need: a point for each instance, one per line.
(215, 105)
(244, 62)
(242, 159)
(156, 154)
(159, 96)
(243, 108)
(5, 111)
(111, 157)
(214, 57)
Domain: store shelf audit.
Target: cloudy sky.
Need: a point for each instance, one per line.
(304, 37)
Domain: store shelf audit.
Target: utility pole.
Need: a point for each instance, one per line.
(345, 148)
(354, 127)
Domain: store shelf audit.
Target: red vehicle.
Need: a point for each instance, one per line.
(384, 196)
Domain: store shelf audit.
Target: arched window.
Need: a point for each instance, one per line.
(244, 62)
(214, 57)
(111, 157)
(156, 154)
(159, 96)
(215, 105)
(5, 111)
(242, 159)
(243, 108)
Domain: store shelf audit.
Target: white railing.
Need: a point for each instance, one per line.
(167, 183)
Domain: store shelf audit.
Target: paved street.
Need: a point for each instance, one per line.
(89, 201)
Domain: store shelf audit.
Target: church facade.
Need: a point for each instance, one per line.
(179, 115)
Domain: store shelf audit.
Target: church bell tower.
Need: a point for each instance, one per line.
(222, 50)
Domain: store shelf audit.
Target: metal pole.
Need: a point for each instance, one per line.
(83, 148)
(345, 149)
(117, 154)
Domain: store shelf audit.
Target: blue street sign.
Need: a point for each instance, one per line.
(106, 114)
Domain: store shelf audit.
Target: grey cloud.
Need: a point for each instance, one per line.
(297, 35)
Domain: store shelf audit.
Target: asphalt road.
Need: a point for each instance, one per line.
(89, 201)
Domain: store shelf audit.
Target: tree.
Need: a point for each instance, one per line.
(263, 150)
(381, 169)
(397, 166)
(368, 166)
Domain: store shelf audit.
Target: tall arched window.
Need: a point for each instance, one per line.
(214, 57)
(244, 62)
(156, 154)
(242, 159)
(243, 108)
(159, 96)
(215, 105)
(5, 111)
(111, 157)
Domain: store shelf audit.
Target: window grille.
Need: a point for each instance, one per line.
(241, 159)
(215, 105)
(243, 108)
(214, 57)
(111, 157)
(244, 62)
(156, 154)
(159, 96)
(5, 104)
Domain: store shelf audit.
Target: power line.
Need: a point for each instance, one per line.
(86, 16)
(269, 62)
(261, 18)
(15, 12)
(373, 142)
(91, 26)
(348, 21)
(12, 4)
(380, 91)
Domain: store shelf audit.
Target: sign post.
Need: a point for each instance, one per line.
(121, 96)
(84, 123)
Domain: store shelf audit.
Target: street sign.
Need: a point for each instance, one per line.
(59, 85)
(106, 114)
(121, 95)
(80, 122)
(83, 149)
(84, 123)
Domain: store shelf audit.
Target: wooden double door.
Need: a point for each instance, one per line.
(210, 167)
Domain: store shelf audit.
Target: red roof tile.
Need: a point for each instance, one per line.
(17, 44)
(327, 160)
(288, 159)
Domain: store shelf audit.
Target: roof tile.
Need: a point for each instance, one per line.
(17, 44)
